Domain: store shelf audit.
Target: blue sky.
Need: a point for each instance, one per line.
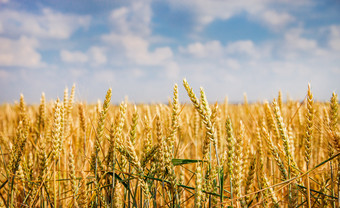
(141, 48)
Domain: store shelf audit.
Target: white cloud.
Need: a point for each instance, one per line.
(295, 53)
(97, 55)
(211, 48)
(118, 19)
(334, 39)
(231, 64)
(49, 24)
(246, 47)
(264, 11)
(295, 41)
(134, 18)
(94, 55)
(158, 56)
(73, 57)
(137, 49)
(296, 45)
(276, 20)
(4, 1)
(207, 11)
(20, 52)
(131, 34)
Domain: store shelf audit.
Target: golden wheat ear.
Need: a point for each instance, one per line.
(333, 121)
(308, 138)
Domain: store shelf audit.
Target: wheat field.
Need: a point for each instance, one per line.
(64, 153)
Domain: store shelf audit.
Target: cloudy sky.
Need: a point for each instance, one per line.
(141, 48)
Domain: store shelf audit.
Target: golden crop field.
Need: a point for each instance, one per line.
(265, 154)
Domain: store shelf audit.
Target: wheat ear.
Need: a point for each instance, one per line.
(284, 137)
(237, 180)
(275, 153)
(201, 111)
(333, 121)
(199, 185)
(308, 138)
